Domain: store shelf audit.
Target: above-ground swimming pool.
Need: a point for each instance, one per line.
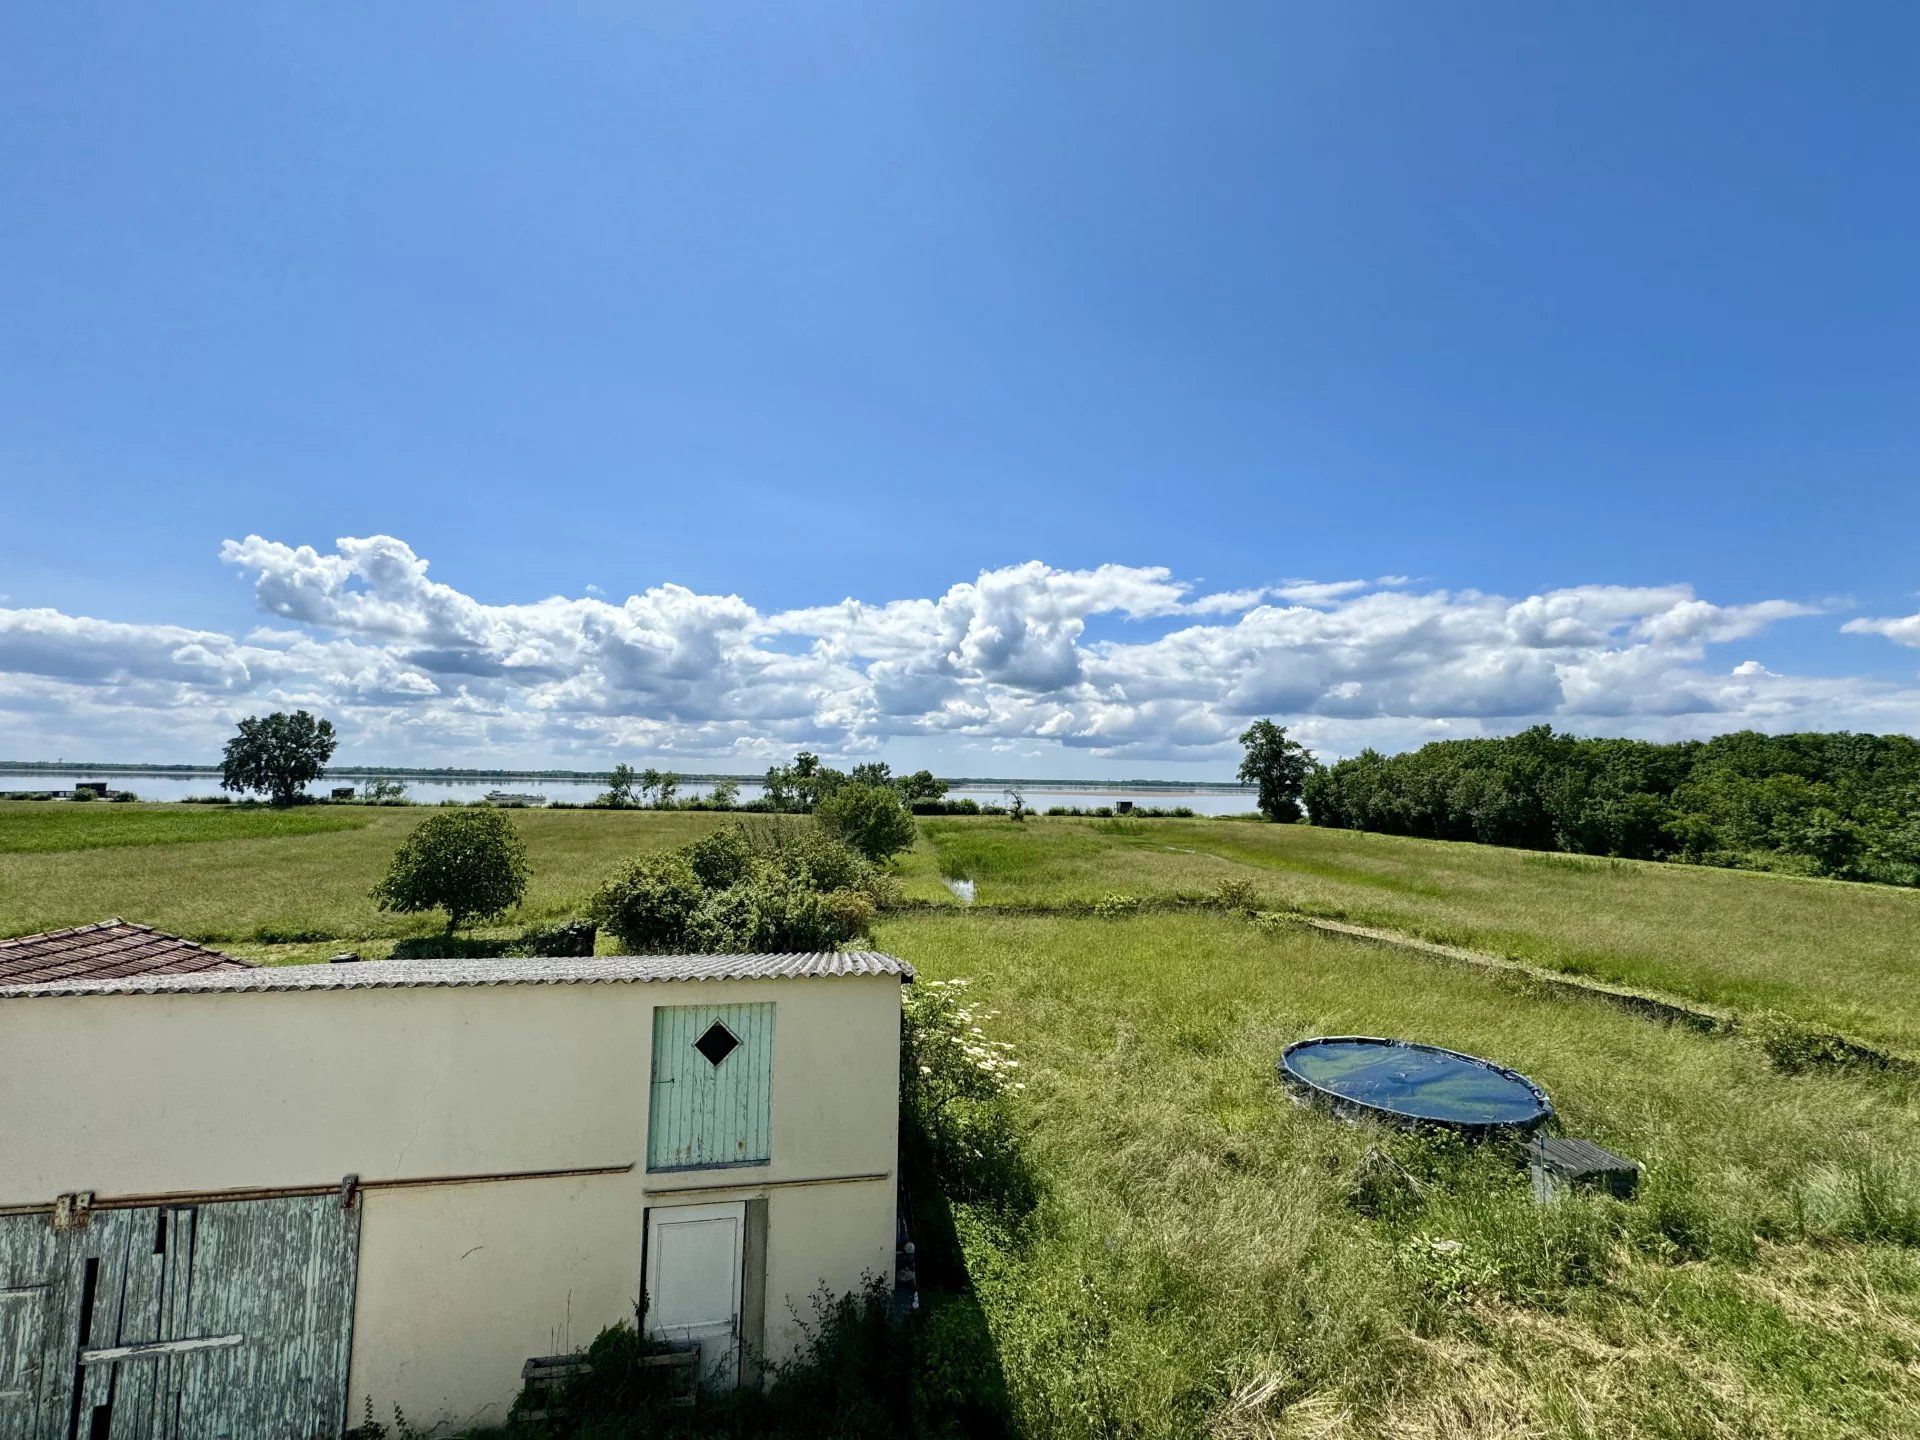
(1415, 1085)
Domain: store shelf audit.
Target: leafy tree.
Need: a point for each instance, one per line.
(470, 863)
(870, 818)
(620, 787)
(778, 787)
(724, 795)
(803, 784)
(872, 772)
(383, 791)
(666, 784)
(1017, 807)
(919, 786)
(1278, 766)
(278, 754)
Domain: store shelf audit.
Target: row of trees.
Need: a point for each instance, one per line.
(631, 789)
(279, 755)
(801, 785)
(1842, 805)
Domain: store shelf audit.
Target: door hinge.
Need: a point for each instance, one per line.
(72, 1210)
(349, 1191)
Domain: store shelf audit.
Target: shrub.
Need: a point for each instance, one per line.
(819, 860)
(1237, 895)
(571, 938)
(851, 912)
(959, 1376)
(870, 818)
(1116, 906)
(724, 922)
(473, 865)
(955, 1099)
(852, 1378)
(451, 947)
(787, 914)
(648, 903)
(947, 807)
(720, 859)
(769, 887)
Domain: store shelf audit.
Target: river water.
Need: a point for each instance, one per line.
(436, 788)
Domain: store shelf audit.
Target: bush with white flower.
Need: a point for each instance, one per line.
(957, 1085)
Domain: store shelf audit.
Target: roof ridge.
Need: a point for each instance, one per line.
(427, 972)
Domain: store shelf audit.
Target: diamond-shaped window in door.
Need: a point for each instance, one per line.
(716, 1043)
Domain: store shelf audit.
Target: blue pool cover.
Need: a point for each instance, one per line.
(1408, 1084)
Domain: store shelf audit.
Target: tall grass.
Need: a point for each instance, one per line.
(1208, 1259)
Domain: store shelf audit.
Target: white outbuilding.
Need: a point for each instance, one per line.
(249, 1202)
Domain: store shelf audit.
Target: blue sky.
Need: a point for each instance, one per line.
(792, 304)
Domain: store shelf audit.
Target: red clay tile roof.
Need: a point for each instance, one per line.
(110, 950)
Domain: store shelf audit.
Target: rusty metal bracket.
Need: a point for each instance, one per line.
(349, 1191)
(72, 1210)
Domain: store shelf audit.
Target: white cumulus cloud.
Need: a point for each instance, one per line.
(415, 668)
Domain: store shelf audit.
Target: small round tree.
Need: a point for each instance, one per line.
(870, 818)
(470, 863)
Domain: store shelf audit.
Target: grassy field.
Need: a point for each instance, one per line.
(1830, 953)
(1205, 1262)
(293, 885)
(45, 829)
(233, 877)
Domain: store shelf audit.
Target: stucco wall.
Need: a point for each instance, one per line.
(131, 1094)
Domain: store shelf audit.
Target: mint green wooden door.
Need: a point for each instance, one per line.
(712, 1100)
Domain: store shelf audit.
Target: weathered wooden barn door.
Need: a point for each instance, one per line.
(227, 1321)
(26, 1298)
(712, 1100)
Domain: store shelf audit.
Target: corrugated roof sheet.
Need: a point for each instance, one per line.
(400, 974)
(108, 950)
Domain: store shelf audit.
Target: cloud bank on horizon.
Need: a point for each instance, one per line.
(1120, 663)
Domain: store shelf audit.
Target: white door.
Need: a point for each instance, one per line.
(693, 1282)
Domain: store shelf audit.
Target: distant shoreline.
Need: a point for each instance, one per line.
(595, 777)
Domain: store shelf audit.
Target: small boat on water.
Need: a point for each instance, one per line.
(513, 798)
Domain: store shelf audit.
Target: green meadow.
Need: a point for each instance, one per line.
(1203, 1258)
(287, 885)
(255, 880)
(1829, 953)
(1207, 1259)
